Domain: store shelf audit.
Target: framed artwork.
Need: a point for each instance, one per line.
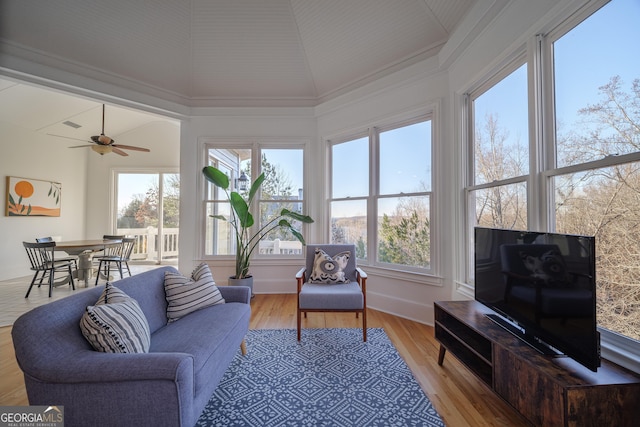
(33, 197)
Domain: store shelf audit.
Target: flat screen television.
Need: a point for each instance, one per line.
(542, 287)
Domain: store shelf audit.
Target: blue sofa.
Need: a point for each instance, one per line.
(169, 386)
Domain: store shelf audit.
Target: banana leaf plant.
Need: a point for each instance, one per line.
(241, 219)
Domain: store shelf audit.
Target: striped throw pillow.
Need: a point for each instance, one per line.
(111, 294)
(118, 327)
(186, 295)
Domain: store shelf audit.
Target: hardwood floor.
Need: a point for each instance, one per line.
(459, 397)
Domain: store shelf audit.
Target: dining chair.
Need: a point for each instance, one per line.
(118, 255)
(43, 263)
(107, 250)
(332, 282)
(59, 259)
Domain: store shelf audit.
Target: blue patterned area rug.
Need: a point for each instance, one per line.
(329, 378)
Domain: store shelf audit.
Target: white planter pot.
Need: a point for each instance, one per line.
(247, 281)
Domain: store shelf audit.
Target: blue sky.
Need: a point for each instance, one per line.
(133, 184)
(606, 44)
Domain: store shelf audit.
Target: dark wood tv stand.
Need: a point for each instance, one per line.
(546, 390)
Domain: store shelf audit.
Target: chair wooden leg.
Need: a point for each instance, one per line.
(364, 325)
(243, 347)
(44, 274)
(73, 284)
(300, 323)
(98, 275)
(51, 277)
(31, 285)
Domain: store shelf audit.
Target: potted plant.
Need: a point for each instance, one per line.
(242, 221)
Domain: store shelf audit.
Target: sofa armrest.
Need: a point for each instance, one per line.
(95, 367)
(236, 294)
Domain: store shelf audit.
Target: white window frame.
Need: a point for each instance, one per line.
(469, 131)
(372, 132)
(256, 145)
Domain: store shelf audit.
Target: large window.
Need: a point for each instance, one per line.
(498, 154)
(381, 193)
(580, 171)
(499, 150)
(282, 188)
(597, 134)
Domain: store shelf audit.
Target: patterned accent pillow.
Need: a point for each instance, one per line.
(186, 295)
(116, 327)
(327, 269)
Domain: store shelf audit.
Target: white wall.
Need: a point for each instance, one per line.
(32, 155)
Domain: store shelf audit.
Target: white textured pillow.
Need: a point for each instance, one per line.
(116, 327)
(186, 295)
(327, 269)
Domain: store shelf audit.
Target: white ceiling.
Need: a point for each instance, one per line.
(45, 111)
(215, 52)
(236, 49)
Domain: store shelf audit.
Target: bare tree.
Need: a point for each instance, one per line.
(605, 202)
(497, 157)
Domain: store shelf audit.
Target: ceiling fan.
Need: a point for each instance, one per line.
(103, 144)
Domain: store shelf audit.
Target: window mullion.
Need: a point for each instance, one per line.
(374, 189)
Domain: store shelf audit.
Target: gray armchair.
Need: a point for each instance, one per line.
(332, 282)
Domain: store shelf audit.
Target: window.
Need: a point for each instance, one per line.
(282, 188)
(497, 193)
(148, 205)
(385, 209)
(498, 154)
(581, 172)
(596, 176)
(350, 194)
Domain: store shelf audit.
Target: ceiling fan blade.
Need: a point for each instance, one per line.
(68, 137)
(81, 146)
(118, 151)
(130, 147)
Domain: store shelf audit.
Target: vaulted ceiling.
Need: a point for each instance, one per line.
(230, 52)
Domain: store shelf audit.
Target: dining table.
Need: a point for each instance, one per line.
(84, 250)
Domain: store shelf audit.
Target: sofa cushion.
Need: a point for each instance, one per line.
(212, 336)
(327, 269)
(186, 295)
(116, 327)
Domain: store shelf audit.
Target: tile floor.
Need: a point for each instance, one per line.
(12, 292)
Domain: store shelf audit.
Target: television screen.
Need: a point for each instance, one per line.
(545, 284)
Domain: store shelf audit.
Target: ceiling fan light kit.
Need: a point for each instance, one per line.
(102, 149)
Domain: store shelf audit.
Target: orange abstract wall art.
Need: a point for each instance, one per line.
(32, 197)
